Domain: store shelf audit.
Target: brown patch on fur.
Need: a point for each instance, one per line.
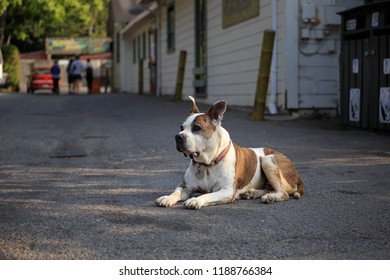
(217, 110)
(268, 151)
(246, 165)
(208, 128)
(287, 168)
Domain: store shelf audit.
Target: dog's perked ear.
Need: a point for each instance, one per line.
(217, 110)
(194, 109)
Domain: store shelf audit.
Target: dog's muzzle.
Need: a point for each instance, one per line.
(181, 146)
(180, 143)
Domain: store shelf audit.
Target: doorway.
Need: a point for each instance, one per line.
(153, 60)
(200, 70)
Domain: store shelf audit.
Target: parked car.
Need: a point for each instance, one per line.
(40, 79)
(5, 81)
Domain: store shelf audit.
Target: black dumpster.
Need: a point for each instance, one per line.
(365, 66)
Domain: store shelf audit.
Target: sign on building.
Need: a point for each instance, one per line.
(64, 46)
(234, 12)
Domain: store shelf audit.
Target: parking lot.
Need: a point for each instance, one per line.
(79, 174)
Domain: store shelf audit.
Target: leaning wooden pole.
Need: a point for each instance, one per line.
(180, 75)
(263, 75)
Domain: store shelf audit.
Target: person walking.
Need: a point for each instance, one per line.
(70, 77)
(55, 75)
(77, 69)
(89, 75)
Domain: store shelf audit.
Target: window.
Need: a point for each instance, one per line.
(171, 28)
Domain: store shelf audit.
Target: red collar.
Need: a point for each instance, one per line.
(218, 159)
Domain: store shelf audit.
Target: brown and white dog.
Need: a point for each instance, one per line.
(223, 171)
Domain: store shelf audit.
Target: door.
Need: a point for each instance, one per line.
(153, 60)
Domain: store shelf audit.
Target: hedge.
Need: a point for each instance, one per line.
(11, 65)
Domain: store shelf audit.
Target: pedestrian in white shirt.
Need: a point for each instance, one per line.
(77, 69)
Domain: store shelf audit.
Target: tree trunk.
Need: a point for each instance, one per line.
(2, 28)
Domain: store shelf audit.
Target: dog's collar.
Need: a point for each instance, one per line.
(217, 160)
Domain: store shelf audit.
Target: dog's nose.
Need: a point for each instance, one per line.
(179, 138)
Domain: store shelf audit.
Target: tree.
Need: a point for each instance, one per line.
(4, 5)
(11, 65)
(28, 23)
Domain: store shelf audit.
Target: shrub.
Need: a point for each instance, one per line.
(11, 65)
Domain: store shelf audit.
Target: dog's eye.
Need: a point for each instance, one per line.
(181, 128)
(196, 128)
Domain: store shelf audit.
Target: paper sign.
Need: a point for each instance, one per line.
(354, 104)
(355, 66)
(375, 19)
(351, 24)
(386, 66)
(384, 105)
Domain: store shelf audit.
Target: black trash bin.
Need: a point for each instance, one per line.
(365, 66)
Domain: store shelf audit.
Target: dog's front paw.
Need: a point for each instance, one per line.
(194, 203)
(166, 201)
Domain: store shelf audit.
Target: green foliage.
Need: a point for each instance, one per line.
(11, 64)
(30, 23)
(4, 4)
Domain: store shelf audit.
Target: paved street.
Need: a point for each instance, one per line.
(79, 174)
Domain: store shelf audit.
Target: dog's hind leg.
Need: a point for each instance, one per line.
(276, 168)
(253, 193)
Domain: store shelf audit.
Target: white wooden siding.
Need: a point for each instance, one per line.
(184, 40)
(281, 56)
(233, 55)
(318, 75)
(129, 69)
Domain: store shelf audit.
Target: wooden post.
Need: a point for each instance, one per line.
(263, 75)
(180, 75)
(141, 77)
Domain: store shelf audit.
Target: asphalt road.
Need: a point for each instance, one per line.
(79, 174)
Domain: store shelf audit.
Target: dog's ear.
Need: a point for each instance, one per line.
(194, 109)
(217, 110)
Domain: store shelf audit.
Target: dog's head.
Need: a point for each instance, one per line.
(199, 134)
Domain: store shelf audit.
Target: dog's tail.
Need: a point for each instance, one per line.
(300, 189)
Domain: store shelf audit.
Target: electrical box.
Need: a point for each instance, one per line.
(305, 34)
(318, 34)
(309, 13)
(330, 15)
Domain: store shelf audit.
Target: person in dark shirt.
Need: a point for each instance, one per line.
(70, 76)
(56, 75)
(89, 75)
